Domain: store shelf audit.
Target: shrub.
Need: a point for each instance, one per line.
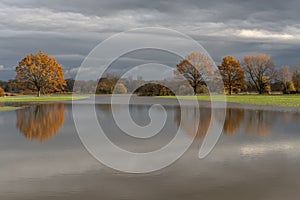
(120, 89)
(2, 93)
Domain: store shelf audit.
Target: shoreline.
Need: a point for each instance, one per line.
(141, 100)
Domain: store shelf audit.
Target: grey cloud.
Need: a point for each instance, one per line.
(68, 30)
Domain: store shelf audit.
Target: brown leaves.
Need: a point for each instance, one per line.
(196, 68)
(232, 75)
(42, 72)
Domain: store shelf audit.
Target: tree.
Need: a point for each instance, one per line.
(232, 74)
(154, 89)
(2, 93)
(196, 68)
(259, 70)
(41, 72)
(120, 89)
(69, 85)
(106, 84)
(285, 78)
(296, 78)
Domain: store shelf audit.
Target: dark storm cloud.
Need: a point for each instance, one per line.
(68, 30)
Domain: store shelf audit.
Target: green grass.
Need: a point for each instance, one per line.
(26, 98)
(8, 108)
(272, 100)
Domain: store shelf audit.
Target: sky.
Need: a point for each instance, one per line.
(69, 30)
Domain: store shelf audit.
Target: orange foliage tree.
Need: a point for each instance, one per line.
(41, 72)
(2, 93)
(196, 68)
(232, 74)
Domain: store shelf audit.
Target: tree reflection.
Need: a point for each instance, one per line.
(259, 122)
(194, 122)
(41, 122)
(251, 121)
(233, 120)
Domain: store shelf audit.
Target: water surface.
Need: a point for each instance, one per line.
(257, 156)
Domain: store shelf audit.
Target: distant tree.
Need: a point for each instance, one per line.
(285, 76)
(185, 90)
(69, 85)
(132, 84)
(296, 78)
(196, 68)
(232, 74)
(41, 72)
(120, 89)
(2, 93)
(259, 70)
(154, 89)
(290, 89)
(106, 84)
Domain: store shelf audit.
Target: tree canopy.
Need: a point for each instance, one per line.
(196, 68)
(259, 70)
(41, 72)
(232, 75)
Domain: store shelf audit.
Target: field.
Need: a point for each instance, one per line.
(25, 98)
(40, 99)
(7, 108)
(271, 100)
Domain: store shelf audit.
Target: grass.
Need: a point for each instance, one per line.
(271, 100)
(26, 98)
(8, 108)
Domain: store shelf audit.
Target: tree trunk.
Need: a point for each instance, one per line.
(39, 92)
(230, 90)
(195, 89)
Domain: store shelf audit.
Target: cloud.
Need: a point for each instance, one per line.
(261, 34)
(69, 30)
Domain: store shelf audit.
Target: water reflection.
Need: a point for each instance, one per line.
(259, 122)
(252, 122)
(41, 122)
(233, 120)
(193, 121)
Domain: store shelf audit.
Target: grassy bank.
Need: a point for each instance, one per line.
(8, 108)
(272, 100)
(40, 99)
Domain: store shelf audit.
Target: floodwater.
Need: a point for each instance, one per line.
(256, 157)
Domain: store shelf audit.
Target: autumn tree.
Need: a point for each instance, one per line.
(41, 72)
(259, 70)
(285, 76)
(2, 93)
(296, 78)
(196, 68)
(232, 74)
(107, 84)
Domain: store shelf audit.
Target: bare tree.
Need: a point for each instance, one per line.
(259, 70)
(285, 76)
(196, 68)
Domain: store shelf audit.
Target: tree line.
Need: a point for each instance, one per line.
(41, 74)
